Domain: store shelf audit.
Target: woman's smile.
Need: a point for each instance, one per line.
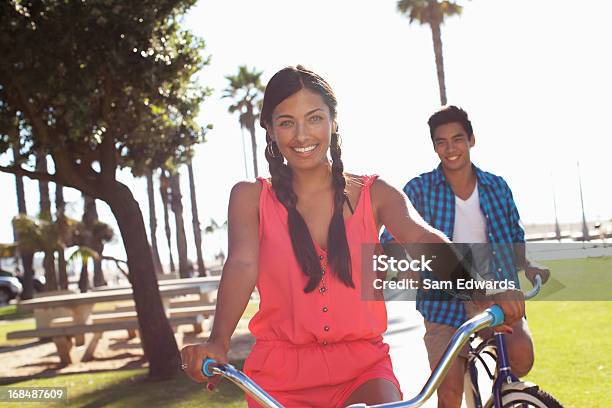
(305, 151)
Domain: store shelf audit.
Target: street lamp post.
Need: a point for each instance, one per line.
(585, 229)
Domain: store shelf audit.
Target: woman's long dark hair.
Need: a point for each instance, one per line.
(283, 84)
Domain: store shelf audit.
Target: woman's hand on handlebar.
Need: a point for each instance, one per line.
(193, 357)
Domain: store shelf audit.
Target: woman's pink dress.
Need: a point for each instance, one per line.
(314, 349)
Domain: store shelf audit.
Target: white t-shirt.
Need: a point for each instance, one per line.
(471, 228)
(470, 223)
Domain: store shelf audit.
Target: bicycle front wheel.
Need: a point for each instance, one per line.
(529, 397)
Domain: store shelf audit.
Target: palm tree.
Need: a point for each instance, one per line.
(195, 219)
(246, 91)
(83, 254)
(45, 214)
(176, 205)
(26, 258)
(92, 234)
(90, 214)
(63, 231)
(432, 12)
(164, 190)
(153, 222)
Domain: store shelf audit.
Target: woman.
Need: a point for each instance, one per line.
(299, 238)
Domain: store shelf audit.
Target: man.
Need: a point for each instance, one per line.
(476, 207)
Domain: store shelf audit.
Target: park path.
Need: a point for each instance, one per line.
(405, 337)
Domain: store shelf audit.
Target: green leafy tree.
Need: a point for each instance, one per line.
(105, 85)
(246, 91)
(433, 13)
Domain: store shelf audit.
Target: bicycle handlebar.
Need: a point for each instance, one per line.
(210, 367)
(536, 288)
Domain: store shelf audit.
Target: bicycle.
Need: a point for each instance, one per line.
(508, 391)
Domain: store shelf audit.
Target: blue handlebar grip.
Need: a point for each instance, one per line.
(498, 315)
(206, 367)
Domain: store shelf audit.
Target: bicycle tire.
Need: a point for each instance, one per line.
(533, 396)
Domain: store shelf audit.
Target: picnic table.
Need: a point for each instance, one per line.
(78, 307)
(203, 280)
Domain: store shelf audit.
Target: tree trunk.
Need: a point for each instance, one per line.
(164, 186)
(98, 278)
(45, 214)
(62, 267)
(153, 224)
(50, 272)
(251, 126)
(26, 259)
(181, 238)
(62, 225)
(197, 230)
(437, 41)
(90, 217)
(43, 188)
(158, 340)
(84, 276)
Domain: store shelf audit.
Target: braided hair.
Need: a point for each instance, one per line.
(282, 85)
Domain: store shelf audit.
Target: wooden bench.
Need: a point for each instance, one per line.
(128, 312)
(174, 304)
(62, 335)
(204, 311)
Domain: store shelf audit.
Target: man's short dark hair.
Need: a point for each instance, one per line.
(450, 114)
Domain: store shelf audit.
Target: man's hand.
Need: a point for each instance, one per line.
(534, 269)
(512, 303)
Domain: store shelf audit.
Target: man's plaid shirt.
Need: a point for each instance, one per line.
(433, 198)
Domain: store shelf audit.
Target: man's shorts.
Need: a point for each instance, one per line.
(437, 336)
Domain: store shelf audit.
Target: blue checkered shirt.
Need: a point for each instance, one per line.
(433, 198)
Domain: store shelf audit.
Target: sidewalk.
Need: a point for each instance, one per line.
(408, 354)
(405, 336)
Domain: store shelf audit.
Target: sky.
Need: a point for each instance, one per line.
(534, 77)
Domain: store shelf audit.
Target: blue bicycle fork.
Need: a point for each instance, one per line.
(504, 375)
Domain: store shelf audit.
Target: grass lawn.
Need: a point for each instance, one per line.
(9, 326)
(10, 313)
(573, 343)
(573, 339)
(577, 280)
(11, 320)
(128, 388)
